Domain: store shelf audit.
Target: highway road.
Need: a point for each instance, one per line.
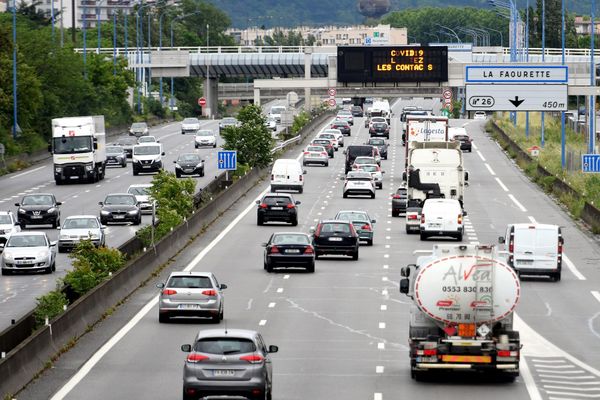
(342, 331)
(18, 292)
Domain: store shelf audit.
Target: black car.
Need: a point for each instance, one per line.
(335, 237)
(289, 249)
(127, 143)
(380, 129)
(343, 126)
(354, 151)
(277, 207)
(399, 201)
(357, 111)
(465, 142)
(189, 164)
(115, 155)
(39, 209)
(381, 145)
(325, 143)
(120, 207)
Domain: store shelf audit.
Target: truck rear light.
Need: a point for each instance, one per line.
(196, 358)
(272, 177)
(411, 216)
(511, 246)
(427, 352)
(300, 178)
(169, 292)
(396, 196)
(507, 353)
(460, 219)
(560, 246)
(309, 250)
(252, 359)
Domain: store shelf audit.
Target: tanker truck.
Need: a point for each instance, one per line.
(461, 317)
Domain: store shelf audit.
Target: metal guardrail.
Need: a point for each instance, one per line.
(283, 145)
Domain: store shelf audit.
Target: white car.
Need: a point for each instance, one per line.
(375, 171)
(141, 192)
(80, 227)
(345, 115)
(271, 123)
(8, 225)
(363, 160)
(190, 125)
(480, 115)
(205, 137)
(315, 155)
(330, 136)
(359, 183)
(338, 134)
(148, 139)
(28, 251)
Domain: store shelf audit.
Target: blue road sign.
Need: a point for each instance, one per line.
(590, 163)
(227, 160)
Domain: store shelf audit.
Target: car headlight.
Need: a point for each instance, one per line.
(8, 256)
(135, 160)
(58, 169)
(89, 167)
(21, 211)
(132, 212)
(158, 159)
(42, 254)
(94, 236)
(200, 165)
(64, 237)
(51, 210)
(177, 166)
(104, 212)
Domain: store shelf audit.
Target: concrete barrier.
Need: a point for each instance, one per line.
(30, 356)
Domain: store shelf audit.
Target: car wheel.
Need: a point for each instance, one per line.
(311, 267)
(124, 164)
(373, 195)
(6, 272)
(214, 146)
(295, 221)
(326, 164)
(395, 214)
(301, 190)
(260, 220)
(215, 319)
(459, 237)
(48, 270)
(370, 242)
(164, 318)
(303, 164)
(202, 173)
(269, 268)
(22, 225)
(345, 195)
(138, 221)
(195, 146)
(221, 314)
(355, 255)
(61, 249)
(56, 224)
(135, 172)
(556, 276)
(408, 232)
(423, 236)
(177, 174)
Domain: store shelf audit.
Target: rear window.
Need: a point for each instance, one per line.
(5, 220)
(401, 191)
(333, 227)
(350, 216)
(360, 151)
(224, 346)
(273, 200)
(290, 239)
(369, 168)
(377, 142)
(192, 282)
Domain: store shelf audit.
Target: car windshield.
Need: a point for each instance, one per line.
(344, 112)
(190, 121)
(189, 158)
(229, 120)
(139, 191)
(139, 125)
(191, 282)
(325, 142)
(27, 241)
(120, 199)
(380, 125)
(340, 123)
(146, 150)
(205, 133)
(289, 238)
(224, 346)
(358, 178)
(37, 200)
(114, 150)
(327, 136)
(277, 109)
(352, 216)
(80, 223)
(273, 200)
(368, 168)
(376, 142)
(72, 144)
(5, 219)
(333, 227)
(461, 137)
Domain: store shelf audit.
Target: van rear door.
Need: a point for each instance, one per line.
(441, 217)
(536, 247)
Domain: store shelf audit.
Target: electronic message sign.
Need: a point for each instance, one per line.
(392, 64)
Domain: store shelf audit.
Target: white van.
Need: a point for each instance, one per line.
(147, 157)
(442, 217)
(534, 249)
(275, 113)
(287, 174)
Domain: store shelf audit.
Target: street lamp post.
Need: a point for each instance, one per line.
(543, 116)
(208, 95)
(527, 59)
(172, 22)
(139, 33)
(114, 42)
(14, 32)
(592, 100)
(52, 17)
(83, 24)
(500, 33)
(451, 30)
(563, 138)
(160, 35)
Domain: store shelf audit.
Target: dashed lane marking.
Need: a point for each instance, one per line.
(490, 169)
(271, 305)
(502, 185)
(262, 322)
(517, 203)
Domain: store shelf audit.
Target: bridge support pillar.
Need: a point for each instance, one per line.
(256, 97)
(211, 94)
(307, 75)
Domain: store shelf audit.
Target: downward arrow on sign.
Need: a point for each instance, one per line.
(516, 102)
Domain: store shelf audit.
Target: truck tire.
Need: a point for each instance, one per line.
(556, 276)
(423, 236)
(459, 237)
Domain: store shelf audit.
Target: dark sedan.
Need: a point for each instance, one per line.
(399, 201)
(343, 126)
(381, 145)
(465, 142)
(115, 155)
(357, 111)
(289, 249)
(335, 237)
(127, 144)
(39, 209)
(277, 207)
(380, 129)
(189, 164)
(120, 207)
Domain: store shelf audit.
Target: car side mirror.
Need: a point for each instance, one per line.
(373, 221)
(404, 176)
(158, 141)
(222, 286)
(18, 204)
(404, 285)
(298, 202)
(162, 154)
(303, 172)
(501, 240)
(100, 203)
(59, 203)
(95, 146)
(174, 161)
(383, 172)
(273, 349)
(342, 178)
(50, 148)
(464, 213)
(53, 243)
(264, 244)
(160, 285)
(405, 272)
(186, 348)
(466, 175)
(257, 201)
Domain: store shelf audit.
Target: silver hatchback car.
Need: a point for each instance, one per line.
(191, 294)
(228, 362)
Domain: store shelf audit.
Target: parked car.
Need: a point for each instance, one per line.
(205, 137)
(8, 225)
(358, 183)
(138, 129)
(343, 127)
(289, 249)
(127, 144)
(189, 164)
(191, 294)
(28, 251)
(76, 228)
(399, 201)
(228, 121)
(39, 209)
(190, 125)
(120, 207)
(116, 155)
(277, 207)
(231, 362)
(315, 155)
(442, 217)
(363, 224)
(141, 191)
(326, 143)
(356, 111)
(380, 144)
(375, 171)
(379, 129)
(335, 237)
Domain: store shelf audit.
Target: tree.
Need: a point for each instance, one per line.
(251, 139)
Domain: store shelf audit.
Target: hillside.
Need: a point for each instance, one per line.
(336, 12)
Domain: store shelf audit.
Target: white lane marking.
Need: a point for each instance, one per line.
(383, 307)
(387, 246)
(262, 322)
(381, 346)
(384, 292)
(386, 266)
(490, 169)
(569, 383)
(502, 185)
(573, 268)
(27, 172)
(596, 294)
(271, 305)
(384, 278)
(377, 396)
(517, 203)
(386, 256)
(531, 219)
(280, 290)
(249, 304)
(481, 156)
(382, 325)
(87, 191)
(379, 369)
(474, 146)
(286, 277)
(20, 194)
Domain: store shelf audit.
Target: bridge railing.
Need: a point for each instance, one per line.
(214, 49)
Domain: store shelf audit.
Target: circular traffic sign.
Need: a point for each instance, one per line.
(331, 102)
(447, 94)
(201, 101)
(447, 101)
(332, 92)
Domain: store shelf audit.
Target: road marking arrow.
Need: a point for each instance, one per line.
(516, 102)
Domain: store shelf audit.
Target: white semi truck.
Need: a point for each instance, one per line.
(78, 149)
(461, 318)
(424, 128)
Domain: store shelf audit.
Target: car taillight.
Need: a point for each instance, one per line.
(460, 219)
(210, 292)
(291, 205)
(309, 250)
(263, 205)
(300, 178)
(306, 152)
(507, 353)
(366, 227)
(511, 243)
(195, 358)
(422, 218)
(323, 153)
(411, 216)
(169, 292)
(396, 196)
(272, 176)
(560, 246)
(274, 249)
(253, 358)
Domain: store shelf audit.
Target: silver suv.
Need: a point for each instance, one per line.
(228, 362)
(191, 294)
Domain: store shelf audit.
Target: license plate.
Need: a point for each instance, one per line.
(22, 262)
(224, 372)
(36, 216)
(146, 166)
(293, 251)
(525, 262)
(119, 216)
(435, 225)
(359, 183)
(467, 359)
(276, 208)
(335, 239)
(189, 306)
(280, 176)
(74, 177)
